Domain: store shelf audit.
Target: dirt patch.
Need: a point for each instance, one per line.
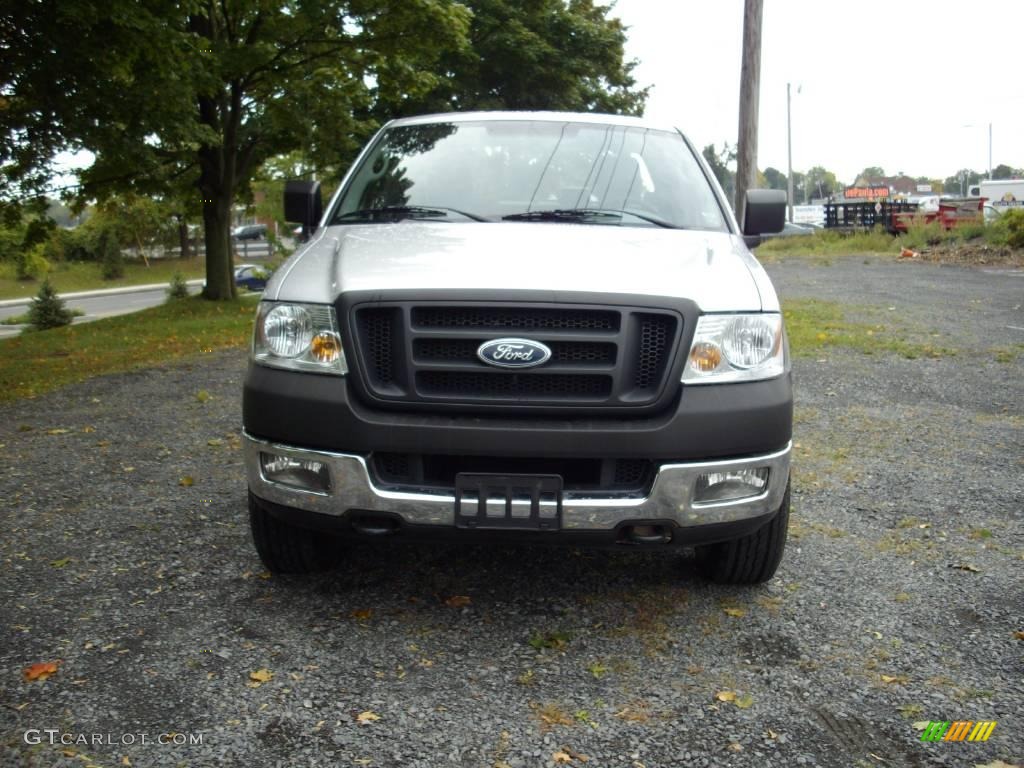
(971, 253)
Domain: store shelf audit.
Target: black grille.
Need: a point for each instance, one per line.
(448, 350)
(515, 318)
(426, 354)
(655, 332)
(377, 327)
(631, 472)
(484, 385)
(439, 470)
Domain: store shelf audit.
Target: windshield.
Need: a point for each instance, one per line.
(518, 169)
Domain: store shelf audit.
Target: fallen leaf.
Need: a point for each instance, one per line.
(125, 760)
(40, 671)
(736, 747)
(202, 396)
(363, 614)
(736, 612)
(895, 679)
(260, 676)
(966, 567)
(561, 757)
(726, 695)
(771, 734)
(60, 563)
(1018, 635)
(458, 601)
(57, 431)
(995, 764)
(920, 725)
(367, 717)
(88, 429)
(214, 442)
(745, 702)
(186, 481)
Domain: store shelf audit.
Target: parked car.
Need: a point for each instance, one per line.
(250, 232)
(542, 326)
(251, 276)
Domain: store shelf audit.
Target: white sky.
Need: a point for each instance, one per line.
(908, 86)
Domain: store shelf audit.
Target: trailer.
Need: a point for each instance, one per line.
(897, 215)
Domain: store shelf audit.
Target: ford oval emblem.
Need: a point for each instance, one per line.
(513, 353)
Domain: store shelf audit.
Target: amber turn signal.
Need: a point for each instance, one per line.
(705, 357)
(325, 347)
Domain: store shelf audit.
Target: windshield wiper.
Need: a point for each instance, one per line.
(583, 214)
(396, 212)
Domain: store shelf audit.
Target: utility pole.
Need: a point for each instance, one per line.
(789, 155)
(750, 86)
(990, 151)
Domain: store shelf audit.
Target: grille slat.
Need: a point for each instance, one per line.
(464, 350)
(600, 357)
(514, 318)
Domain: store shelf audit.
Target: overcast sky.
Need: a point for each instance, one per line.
(908, 86)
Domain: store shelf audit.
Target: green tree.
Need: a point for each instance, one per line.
(48, 309)
(871, 172)
(960, 182)
(821, 183)
(775, 178)
(719, 161)
(1003, 171)
(206, 91)
(540, 54)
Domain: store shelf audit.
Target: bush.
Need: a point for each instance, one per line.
(1011, 226)
(31, 264)
(48, 310)
(178, 289)
(112, 262)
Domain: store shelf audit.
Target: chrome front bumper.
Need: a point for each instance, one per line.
(670, 498)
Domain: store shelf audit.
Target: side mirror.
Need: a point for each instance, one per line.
(764, 213)
(303, 204)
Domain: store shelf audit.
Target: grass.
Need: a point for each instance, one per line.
(23, 318)
(816, 326)
(69, 277)
(38, 362)
(825, 244)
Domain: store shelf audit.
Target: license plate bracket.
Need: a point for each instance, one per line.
(508, 502)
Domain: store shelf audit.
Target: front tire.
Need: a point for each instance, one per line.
(750, 559)
(285, 548)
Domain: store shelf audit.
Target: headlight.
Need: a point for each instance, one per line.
(736, 348)
(299, 337)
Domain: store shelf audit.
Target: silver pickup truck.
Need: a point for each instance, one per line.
(539, 326)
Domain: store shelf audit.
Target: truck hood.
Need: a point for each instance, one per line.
(715, 270)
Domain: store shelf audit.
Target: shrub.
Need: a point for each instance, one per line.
(30, 263)
(178, 289)
(1012, 222)
(112, 264)
(48, 310)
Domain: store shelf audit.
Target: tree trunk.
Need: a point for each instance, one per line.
(217, 195)
(184, 246)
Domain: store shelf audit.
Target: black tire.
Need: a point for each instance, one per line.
(750, 559)
(287, 548)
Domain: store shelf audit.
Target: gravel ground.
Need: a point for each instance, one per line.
(897, 602)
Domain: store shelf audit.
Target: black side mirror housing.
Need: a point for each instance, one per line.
(303, 204)
(764, 213)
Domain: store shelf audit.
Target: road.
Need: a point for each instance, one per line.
(97, 304)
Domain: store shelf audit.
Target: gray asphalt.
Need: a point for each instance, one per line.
(126, 556)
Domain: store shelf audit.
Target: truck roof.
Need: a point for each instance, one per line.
(593, 118)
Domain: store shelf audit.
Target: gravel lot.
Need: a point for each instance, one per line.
(126, 555)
